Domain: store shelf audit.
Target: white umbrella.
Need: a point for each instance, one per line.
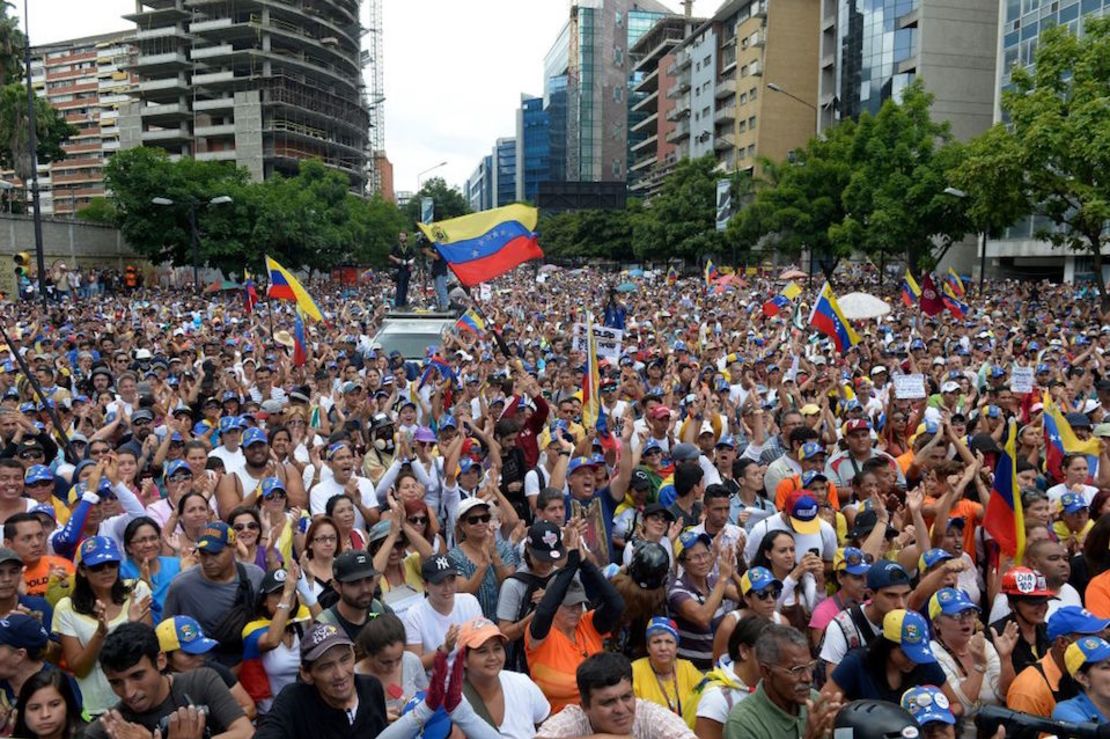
(858, 306)
(548, 268)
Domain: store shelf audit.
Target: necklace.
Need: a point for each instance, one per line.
(676, 707)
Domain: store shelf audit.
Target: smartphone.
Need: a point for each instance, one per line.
(815, 552)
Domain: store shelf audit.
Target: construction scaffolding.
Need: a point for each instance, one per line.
(375, 74)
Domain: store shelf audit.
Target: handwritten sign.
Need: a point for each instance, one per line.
(1021, 380)
(485, 292)
(609, 340)
(909, 387)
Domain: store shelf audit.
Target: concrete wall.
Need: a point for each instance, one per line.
(248, 133)
(71, 241)
(958, 51)
(792, 35)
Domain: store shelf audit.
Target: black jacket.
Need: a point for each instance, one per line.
(298, 711)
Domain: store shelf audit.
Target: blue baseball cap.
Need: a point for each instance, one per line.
(885, 574)
(810, 450)
(185, 634)
(230, 423)
(26, 407)
(813, 476)
(230, 395)
(917, 344)
(651, 445)
(466, 464)
(932, 558)
(909, 631)
(689, 538)
(215, 537)
(37, 473)
(851, 560)
(928, 704)
(950, 602)
(727, 441)
(255, 436)
(997, 372)
(1088, 650)
(270, 485)
(99, 549)
(1069, 502)
(578, 463)
(176, 466)
(758, 579)
(1075, 620)
(20, 631)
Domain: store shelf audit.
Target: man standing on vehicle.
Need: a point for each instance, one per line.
(402, 255)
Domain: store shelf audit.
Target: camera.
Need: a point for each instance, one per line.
(1027, 726)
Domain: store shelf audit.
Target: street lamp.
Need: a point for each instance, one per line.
(779, 90)
(980, 236)
(194, 233)
(420, 175)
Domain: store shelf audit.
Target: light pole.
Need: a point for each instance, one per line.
(980, 236)
(194, 233)
(420, 175)
(32, 153)
(792, 96)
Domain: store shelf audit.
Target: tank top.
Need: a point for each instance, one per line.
(249, 483)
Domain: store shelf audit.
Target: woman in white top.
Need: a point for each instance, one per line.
(979, 673)
(1076, 472)
(760, 591)
(399, 671)
(508, 701)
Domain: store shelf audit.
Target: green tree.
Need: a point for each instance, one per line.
(381, 221)
(99, 210)
(587, 234)
(681, 220)
(449, 202)
(1055, 152)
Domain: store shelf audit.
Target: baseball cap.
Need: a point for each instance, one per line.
(546, 541)
(1075, 620)
(185, 634)
(255, 436)
(1089, 649)
(230, 423)
(857, 424)
(640, 480)
(810, 450)
(928, 704)
(758, 579)
(9, 555)
(886, 574)
(803, 513)
(851, 560)
(271, 485)
(353, 565)
(99, 549)
(908, 630)
(688, 539)
(321, 637)
(477, 631)
(1023, 582)
(470, 504)
(424, 435)
(685, 452)
(932, 558)
(38, 473)
(142, 415)
(1078, 420)
(576, 594)
(950, 387)
(1101, 430)
(950, 602)
(20, 631)
(578, 463)
(655, 508)
(215, 537)
(176, 466)
(661, 625)
(812, 476)
(437, 569)
(1069, 502)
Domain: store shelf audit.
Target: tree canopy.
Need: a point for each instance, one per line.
(449, 202)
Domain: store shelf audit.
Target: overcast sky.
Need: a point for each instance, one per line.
(454, 70)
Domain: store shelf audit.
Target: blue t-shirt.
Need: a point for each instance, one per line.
(1078, 710)
(40, 609)
(857, 683)
(168, 569)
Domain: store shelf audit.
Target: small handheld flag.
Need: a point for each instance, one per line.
(472, 322)
(829, 320)
(1004, 519)
(284, 286)
(710, 273)
(956, 282)
(672, 275)
(300, 347)
(250, 294)
(782, 300)
(911, 292)
(1060, 440)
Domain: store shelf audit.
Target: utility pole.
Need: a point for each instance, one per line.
(32, 146)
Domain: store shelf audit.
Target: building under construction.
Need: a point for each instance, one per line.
(262, 83)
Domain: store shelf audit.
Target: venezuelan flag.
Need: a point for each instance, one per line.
(1060, 440)
(481, 246)
(911, 292)
(782, 300)
(829, 320)
(284, 286)
(1004, 519)
(250, 294)
(955, 306)
(300, 347)
(472, 322)
(672, 275)
(591, 381)
(957, 284)
(710, 273)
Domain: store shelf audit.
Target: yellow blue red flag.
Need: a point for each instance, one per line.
(481, 246)
(829, 320)
(1004, 519)
(284, 286)
(911, 291)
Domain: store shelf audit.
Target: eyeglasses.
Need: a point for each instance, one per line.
(474, 520)
(142, 422)
(180, 477)
(249, 526)
(418, 520)
(103, 566)
(326, 539)
(798, 671)
(964, 616)
(769, 593)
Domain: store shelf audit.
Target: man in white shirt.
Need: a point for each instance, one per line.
(433, 624)
(341, 462)
(799, 517)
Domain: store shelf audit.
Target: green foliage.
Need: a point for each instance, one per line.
(449, 202)
(1055, 153)
(681, 220)
(99, 210)
(587, 234)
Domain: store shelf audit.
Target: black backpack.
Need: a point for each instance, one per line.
(229, 631)
(515, 657)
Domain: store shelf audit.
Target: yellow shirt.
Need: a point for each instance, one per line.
(648, 687)
(1066, 535)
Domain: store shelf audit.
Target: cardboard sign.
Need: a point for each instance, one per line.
(1021, 380)
(609, 340)
(909, 387)
(485, 292)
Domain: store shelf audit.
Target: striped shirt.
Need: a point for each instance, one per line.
(694, 642)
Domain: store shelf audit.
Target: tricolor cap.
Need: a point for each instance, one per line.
(810, 450)
(909, 631)
(661, 625)
(803, 513)
(1069, 503)
(932, 558)
(215, 537)
(851, 560)
(184, 633)
(758, 579)
(1023, 582)
(1075, 620)
(37, 473)
(857, 424)
(928, 704)
(950, 602)
(812, 476)
(688, 539)
(1088, 650)
(578, 463)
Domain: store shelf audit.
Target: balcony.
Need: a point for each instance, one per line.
(220, 103)
(167, 112)
(681, 86)
(646, 144)
(679, 111)
(649, 83)
(724, 88)
(212, 52)
(650, 102)
(171, 86)
(222, 129)
(647, 124)
(726, 114)
(213, 78)
(165, 62)
(221, 155)
(166, 136)
(724, 142)
(680, 132)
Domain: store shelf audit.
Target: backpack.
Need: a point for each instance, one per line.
(515, 657)
(229, 630)
(853, 624)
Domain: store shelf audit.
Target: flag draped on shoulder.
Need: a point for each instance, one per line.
(284, 286)
(783, 300)
(1004, 519)
(829, 320)
(911, 291)
(471, 321)
(1060, 440)
(481, 246)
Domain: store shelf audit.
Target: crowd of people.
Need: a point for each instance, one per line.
(208, 534)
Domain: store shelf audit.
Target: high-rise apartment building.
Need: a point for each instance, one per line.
(872, 49)
(533, 147)
(258, 83)
(479, 186)
(87, 80)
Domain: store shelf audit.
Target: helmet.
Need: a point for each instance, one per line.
(650, 565)
(874, 720)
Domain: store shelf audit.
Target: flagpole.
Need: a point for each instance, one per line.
(270, 311)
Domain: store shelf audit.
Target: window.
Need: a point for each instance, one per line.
(618, 94)
(619, 19)
(618, 55)
(753, 92)
(706, 112)
(743, 98)
(744, 71)
(743, 126)
(751, 122)
(707, 61)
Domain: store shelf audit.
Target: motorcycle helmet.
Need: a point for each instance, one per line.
(868, 719)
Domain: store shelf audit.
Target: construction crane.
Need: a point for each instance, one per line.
(374, 56)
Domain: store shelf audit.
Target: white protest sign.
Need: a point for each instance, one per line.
(1021, 380)
(485, 292)
(609, 340)
(909, 387)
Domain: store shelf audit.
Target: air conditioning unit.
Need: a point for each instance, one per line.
(755, 69)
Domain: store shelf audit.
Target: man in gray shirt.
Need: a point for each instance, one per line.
(210, 593)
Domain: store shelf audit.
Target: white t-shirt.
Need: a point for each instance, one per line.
(836, 646)
(426, 627)
(282, 665)
(717, 701)
(824, 542)
(233, 461)
(324, 491)
(1056, 492)
(525, 706)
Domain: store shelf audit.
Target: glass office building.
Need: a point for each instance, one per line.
(533, 148)
(504, 172)
(878, 47)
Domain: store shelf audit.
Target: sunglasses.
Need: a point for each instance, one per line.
(249, 526)
(180, 477)
(418, 520)
(103, 566)
(474, 520)
(32, 454)
(769, 593)
(274, 494)
(39, 484)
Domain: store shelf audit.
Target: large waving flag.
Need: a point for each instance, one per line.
(284, 286)
(829, 320)
(1060, 440)
(782, 300)
(952, 301)
(481, 246)
(1004, 519)
(911, 292)
(710, 273)
(250, 293)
